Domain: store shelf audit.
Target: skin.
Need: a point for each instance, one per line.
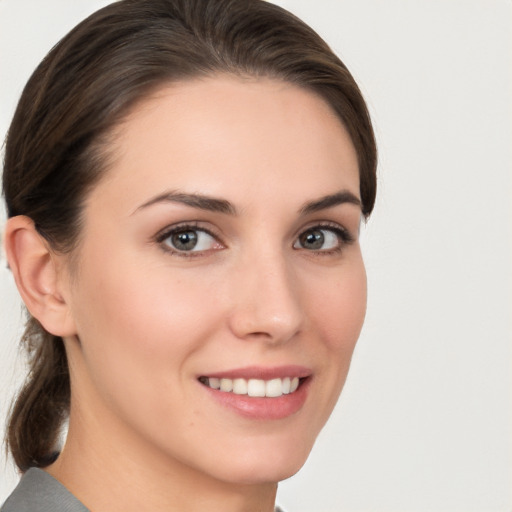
(142, 321)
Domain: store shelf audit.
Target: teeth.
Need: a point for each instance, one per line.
(240, 386)
(274, 388)
(214, 383)
(226, 384)
(254, 387)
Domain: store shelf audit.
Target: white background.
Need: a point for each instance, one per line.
(424, 423)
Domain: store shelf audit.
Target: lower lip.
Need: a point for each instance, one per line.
(262, 408)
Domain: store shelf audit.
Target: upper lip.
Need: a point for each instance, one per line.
(262, 372)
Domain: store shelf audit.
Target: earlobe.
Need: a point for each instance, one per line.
(37, 275)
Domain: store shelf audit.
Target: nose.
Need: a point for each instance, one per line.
(265, 300)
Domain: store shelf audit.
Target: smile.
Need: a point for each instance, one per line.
(272, 388)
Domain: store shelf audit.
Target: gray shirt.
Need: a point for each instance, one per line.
(40, 492)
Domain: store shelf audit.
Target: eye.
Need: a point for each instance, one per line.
(189, 239)
(323, 239)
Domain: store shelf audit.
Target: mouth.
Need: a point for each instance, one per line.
(260, 393)
(256, 388)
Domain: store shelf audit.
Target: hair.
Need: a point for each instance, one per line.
(57, 145)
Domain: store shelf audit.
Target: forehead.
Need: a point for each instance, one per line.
(225, 135)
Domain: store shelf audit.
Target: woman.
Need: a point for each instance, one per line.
(185, 181)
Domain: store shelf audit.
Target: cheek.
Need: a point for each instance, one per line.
(139, 328)
(136, 321)
(339, 308)
(143, 301)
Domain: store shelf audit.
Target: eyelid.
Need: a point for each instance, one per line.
(166, 232)
(328, 224)
(345, 236)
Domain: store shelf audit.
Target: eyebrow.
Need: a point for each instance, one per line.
(199, 201)
(329, 201)
(213, 204)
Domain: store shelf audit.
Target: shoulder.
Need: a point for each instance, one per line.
(39, 491)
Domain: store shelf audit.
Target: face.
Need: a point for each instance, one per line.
(220, 250)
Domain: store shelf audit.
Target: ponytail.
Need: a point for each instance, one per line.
(42, 405)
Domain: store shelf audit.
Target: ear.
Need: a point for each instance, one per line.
(38, 273)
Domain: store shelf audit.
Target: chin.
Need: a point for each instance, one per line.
(263, 472)
(263, 465)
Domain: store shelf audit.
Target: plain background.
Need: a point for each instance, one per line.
(424, 423)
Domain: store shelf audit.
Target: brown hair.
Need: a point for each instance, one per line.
(55, 149)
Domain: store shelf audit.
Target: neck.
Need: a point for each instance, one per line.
(104, 475)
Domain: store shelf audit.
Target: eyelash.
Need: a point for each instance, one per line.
(181, 228)
(342, 234)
